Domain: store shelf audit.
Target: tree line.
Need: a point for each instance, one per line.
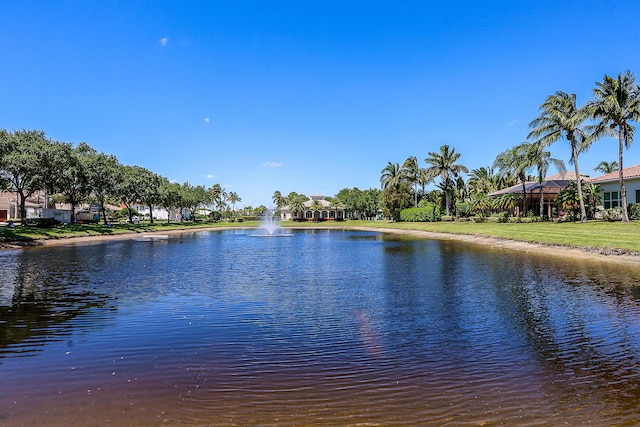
(611, 113)
(31, 162)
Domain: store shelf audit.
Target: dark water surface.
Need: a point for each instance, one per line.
(319, 328)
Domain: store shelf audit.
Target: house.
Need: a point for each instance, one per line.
(551, 186)
(610, 187)
(10, 205)
(316, 208)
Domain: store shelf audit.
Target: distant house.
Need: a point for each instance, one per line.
(10, 205)
(326, 210)
(610, 187)
(551, 186)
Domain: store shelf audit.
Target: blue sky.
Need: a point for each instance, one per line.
(304, 96)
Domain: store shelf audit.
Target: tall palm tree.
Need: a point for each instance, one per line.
(516, 162)
(233, 199)
(616, 104)
(411, 171)
(560, 118)
(606, 167)
(391, 175)
(542, 159)
(278, 199)
(443, 164)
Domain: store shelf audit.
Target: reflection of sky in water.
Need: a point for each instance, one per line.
(336, 316)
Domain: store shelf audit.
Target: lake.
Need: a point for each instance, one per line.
(332, 328)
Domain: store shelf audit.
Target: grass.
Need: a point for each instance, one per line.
(595, 234)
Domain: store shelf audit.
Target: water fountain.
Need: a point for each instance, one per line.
(270, 227)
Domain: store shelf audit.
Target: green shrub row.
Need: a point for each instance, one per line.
(429, 213)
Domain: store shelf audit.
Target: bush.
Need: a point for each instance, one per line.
(40, 222)
(634, 211)
(611, 215)
(429, 213)
(463, 210)
(447, 218)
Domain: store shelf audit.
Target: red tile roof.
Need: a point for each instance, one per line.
(630, 172)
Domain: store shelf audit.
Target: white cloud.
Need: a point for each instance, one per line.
(164, 41)
(173, 181)
(210, 176)
(513, 122)
(207, 119)
(272, 164)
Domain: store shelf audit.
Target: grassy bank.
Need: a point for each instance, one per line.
(602, 235)
(30, 234)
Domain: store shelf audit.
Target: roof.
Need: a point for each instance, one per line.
(551, 184)
(630, 172)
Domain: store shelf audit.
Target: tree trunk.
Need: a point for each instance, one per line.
(574, 156)
(524, 197)
(23, 206)
(150, 214)
(623, 196)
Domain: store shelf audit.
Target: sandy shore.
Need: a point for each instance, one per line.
(587, 254)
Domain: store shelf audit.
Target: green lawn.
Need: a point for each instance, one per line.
(604, 235)
(610, 235)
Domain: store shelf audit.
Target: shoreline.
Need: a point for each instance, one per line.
(584, 253)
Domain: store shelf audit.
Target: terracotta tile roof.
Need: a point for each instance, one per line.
(630, 172)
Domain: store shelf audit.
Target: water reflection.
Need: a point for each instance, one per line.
(326, 328)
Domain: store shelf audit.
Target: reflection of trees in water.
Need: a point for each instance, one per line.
(46, 296)
(583, 327)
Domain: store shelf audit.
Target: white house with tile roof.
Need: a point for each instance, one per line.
(325, 210)
(610, 187)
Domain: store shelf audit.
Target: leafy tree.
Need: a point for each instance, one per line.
(315, 208)
(101, 171)
(73, 181)
(20, 165)
(606, 167)
(140, 185)
(395, 198)
(560, 118)
(192, 197)
(443, 164)
(171, 198)
(616, 104)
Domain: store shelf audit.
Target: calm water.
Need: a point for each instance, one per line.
(319, 328)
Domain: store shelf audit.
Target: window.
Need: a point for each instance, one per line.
(611, 199)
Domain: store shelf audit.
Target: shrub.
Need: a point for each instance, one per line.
(40, 222)
(611, 215)
(447, 218)
(429, 213)
(463, 210)
(634, 211)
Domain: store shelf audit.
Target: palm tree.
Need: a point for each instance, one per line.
(233, 199)
(443, 164)
(391, 175)
(516, 162)
(616, 103)
(315, 208)
(411, 171)
(482, 181)
(542, 160)
(560, 118)
(606, 167)
(278, 199)
(296, 204)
